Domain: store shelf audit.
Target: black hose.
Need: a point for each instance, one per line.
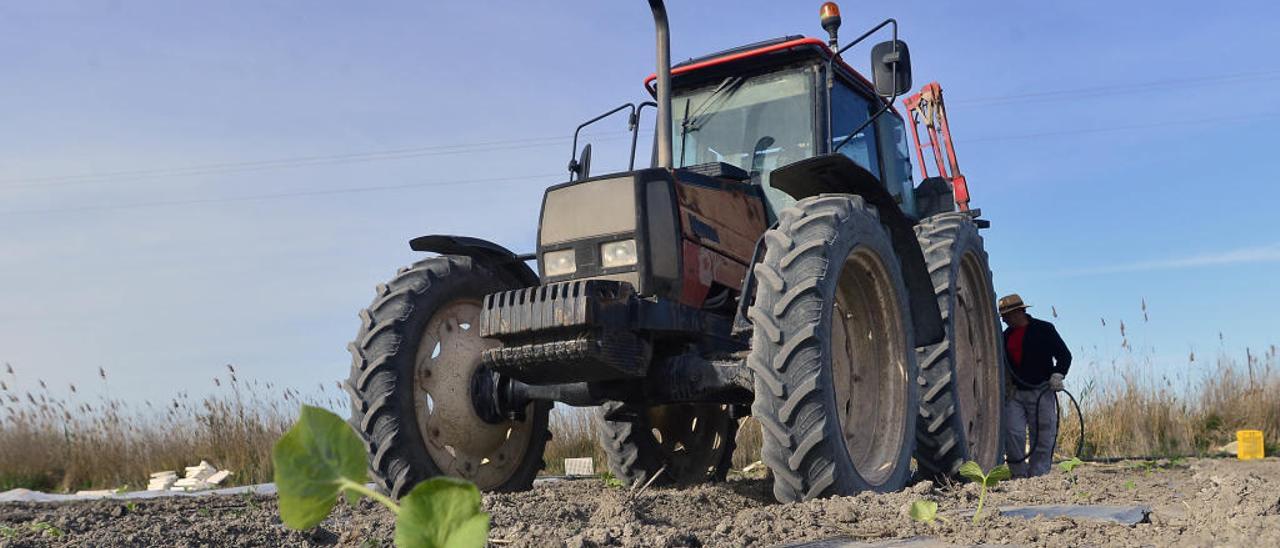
(1044, 386)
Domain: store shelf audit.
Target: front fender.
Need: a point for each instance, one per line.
(489, 254)
(837, 174)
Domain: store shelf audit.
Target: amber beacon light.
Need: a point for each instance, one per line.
(830, 14)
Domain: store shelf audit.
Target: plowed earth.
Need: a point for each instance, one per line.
(1196, 503)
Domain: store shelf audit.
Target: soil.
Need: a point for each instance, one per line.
(1193, 503)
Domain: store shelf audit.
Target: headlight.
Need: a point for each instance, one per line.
(559, 263)
(615, 254)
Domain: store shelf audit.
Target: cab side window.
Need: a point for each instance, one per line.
(897, 161)
(848, 111)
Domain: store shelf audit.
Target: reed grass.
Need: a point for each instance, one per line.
(64, 440)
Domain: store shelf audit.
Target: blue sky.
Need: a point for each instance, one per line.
(1120, 152)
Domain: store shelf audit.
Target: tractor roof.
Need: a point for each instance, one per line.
(768, 52)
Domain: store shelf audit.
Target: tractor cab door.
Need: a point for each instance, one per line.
(849, 110)
(880, 147)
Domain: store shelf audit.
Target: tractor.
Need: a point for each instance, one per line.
(776, 261)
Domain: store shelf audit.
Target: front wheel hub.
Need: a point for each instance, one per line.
(461, 429)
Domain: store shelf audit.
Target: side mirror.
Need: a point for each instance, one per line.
(584, 163)
(580, 167)
(883, 61)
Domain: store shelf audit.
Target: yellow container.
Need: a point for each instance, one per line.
(1249, 444)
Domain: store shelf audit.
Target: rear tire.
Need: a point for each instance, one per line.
(963, 376)
(833, 353)
(694, 443)
(413, 361)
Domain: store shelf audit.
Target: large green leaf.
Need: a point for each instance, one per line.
(442, 512)
(924, 511)
(313, 461)
(997, 475)
(972, 472)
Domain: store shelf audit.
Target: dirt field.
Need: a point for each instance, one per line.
(1196, 503)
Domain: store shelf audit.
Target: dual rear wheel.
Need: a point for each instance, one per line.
(832, 353)
(962, 377)
(844, 397)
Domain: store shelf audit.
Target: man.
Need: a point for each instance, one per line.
(1037, 362)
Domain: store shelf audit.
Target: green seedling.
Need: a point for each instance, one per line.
(925, 511)
(1150, 466)
(611, 481)
(1130, 485)
(130, 506)
(250, 501)
(320, 459)
(1069, 465)
(46, 529)
(7, 532)
(973, 472)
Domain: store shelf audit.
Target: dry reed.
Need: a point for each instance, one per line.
(63, 440)
(67, 441)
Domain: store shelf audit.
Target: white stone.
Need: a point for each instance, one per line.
(1232, 448)
(161, 483)
(201, 471)
(583, 466)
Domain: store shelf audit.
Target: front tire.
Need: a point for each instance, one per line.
(962, 394)
(833, 353)
(413, 363)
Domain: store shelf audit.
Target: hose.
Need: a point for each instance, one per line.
(1044, 389)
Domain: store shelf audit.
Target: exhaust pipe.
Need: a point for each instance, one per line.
(663, 83)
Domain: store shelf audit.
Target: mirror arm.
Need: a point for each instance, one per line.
(635, 130)
(573, 152)
(831, 77)
(864, 125)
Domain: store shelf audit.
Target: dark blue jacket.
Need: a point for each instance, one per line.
(1043, 354)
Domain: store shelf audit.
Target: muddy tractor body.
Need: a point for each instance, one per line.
(777, 261)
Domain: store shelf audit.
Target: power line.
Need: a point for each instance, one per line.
(1115, 89)
(277, 195)
(222, 168)
(1108, 129)
(354, 190)
(260, 165)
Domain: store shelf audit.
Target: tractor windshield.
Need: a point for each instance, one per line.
(758, 124)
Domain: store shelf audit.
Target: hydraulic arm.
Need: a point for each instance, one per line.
(927, 108)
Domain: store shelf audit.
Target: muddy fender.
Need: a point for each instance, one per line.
(837, 174)
(491, 255)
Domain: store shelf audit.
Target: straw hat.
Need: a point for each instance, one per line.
(1011, 302)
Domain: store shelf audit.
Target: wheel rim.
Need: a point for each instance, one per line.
(691, 438)
(868, 367)
(976, 357)
(459, 442)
